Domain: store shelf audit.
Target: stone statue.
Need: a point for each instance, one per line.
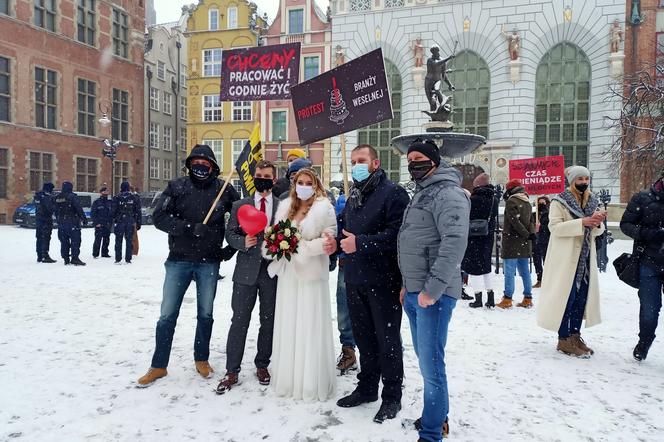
(328, 14)
(418, 51)
(617, 36)
(513, 44)
(436, 75)
(339, 56)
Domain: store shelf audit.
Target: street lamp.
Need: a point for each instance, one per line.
(110, 146)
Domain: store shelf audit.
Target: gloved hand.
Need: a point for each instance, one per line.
(227, 253)
(532, 237)
(200, 230)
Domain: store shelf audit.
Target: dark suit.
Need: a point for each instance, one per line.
(250, 280)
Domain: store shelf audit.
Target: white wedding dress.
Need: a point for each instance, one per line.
(303, 365)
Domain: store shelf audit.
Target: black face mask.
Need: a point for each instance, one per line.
(542, 207)
(419, 169)
(200, 171)
(581, 187)
(263, 184)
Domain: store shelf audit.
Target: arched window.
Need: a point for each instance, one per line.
(472, 79)
(379, 135)
(562, 104)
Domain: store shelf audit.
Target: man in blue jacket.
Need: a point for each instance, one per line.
(102, 219)
(126, 213)
(70, 215)
(44, 222)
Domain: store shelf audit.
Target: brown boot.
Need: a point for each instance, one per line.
(568, 347)
(152, 375)
(263, 376)
(505, 303)
(347, 360)
(204, 369)
(526, 303)
(579, 342)
(538, 284)
(228, 382)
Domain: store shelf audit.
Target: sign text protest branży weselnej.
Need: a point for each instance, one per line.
(259, 73)
(349, 97)
(540, 176)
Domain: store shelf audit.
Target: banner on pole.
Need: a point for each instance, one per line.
(349, 97)
(540, 176)
(259, 73)
(247, 160)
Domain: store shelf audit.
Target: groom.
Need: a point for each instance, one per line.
(250, 280)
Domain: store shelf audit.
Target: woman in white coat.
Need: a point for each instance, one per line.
(570, 290)
(303, 363)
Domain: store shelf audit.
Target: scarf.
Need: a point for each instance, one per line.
(359, 191)
(570, 202)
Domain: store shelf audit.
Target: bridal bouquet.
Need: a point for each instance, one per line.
(281, 240)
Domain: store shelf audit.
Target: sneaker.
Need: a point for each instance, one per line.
(263, 376)
(640, 352)
(356, 398)
(568, 347)
(228, 382)
(505, 303)
(204, 369)
(347, 360)
(152, 375)
(388, 410)
(579, 342)
(526, 303)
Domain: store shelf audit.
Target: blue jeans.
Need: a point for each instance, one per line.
(650, 295)
(124, 229)
(179, 275)
(343, 317)
(510, 268)
(429, 329)
(576, 308)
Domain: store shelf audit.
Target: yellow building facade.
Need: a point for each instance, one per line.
(212, 27)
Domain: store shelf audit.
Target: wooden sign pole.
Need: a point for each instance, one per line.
(344, 164)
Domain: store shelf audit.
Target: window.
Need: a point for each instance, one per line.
(238, 186)
(562, 104)
(213, 19)
(46, 93)
(217, 147)
(120, 118)
(168, 170)
(168, 103)
(238, 145)
(168, 138)
(161, 70)
(154, 168)
(360, 5)
(183, 108)
(296, 21)
(242, 111)
(154, 98)
(120, 33)
(86, 19)
(183, 139)
(121, 173)
(471, 78)
(86, 174)
(311, 67)
(212, 62)
(279, 132)
(4, 7)
(4, 172)
(379, 135)
(212, 110)
(232, 17)
(45, 14)
(87, 106)
(5, 92)
(183, 75)
(154, 135)
(41, 169)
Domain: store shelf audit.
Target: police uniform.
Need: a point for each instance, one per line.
(102, 220)
(70, 215)
(43, 202)
(126, 214)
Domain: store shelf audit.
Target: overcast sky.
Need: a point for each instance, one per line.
(169, 10)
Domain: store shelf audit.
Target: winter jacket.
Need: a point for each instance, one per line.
(68, 210)
(483, 205)
(184, 204)
(434, 234)
(643, 221)
(43, 202)
(102, 212)
(544, 233)
(375, 225)
(518, 226)
(280, 186)
(127, 208)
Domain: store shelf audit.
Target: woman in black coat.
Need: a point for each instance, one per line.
(541, 244)
(477, 260)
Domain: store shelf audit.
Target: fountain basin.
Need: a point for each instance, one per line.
(451, 144)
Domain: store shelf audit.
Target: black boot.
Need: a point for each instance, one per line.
(388, 410)
(641, 350)
(48, 260)
(77, 262)
(66, 261)
(464, 294)
(478, 301)
(490, 303)
(354, 399)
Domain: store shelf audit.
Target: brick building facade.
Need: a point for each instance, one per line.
(61, 66)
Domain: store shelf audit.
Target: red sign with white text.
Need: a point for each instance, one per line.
(540, 176)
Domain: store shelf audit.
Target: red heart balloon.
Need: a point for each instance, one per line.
(252, 220)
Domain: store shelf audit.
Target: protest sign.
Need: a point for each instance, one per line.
(349, 97)
(259, 73)
(540, 176)
(246, 162)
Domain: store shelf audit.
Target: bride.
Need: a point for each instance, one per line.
(303, 347)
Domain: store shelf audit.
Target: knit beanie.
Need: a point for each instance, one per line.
(427, 148)
(511, 184)
(574, 172)
(296, 153)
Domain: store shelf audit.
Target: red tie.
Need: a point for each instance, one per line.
(263, 205)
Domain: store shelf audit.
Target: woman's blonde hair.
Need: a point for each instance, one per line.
(297, 203)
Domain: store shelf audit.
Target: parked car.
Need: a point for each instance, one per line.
(25, 215)
(148, 200)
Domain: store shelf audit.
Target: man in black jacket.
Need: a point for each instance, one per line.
(126, 215)
(70, 215)
(102, 220)
(195, 254)
(370, 225)
(643, 220)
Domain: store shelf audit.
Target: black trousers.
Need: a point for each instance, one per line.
(102, 240)
(375, 313)
(539, 254)
(243, 302)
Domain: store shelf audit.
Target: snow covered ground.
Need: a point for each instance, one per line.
(74, 340)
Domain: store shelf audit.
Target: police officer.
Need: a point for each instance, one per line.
(102, 219)
(44, 222)
(70, 215)
(126, 213)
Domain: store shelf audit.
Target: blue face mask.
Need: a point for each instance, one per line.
(360, 172)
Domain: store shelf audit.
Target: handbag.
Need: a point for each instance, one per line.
(480, 227)
(628, 266)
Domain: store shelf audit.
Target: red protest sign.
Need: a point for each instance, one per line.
(540, 176)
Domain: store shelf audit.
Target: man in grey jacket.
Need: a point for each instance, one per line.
(432, 243)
